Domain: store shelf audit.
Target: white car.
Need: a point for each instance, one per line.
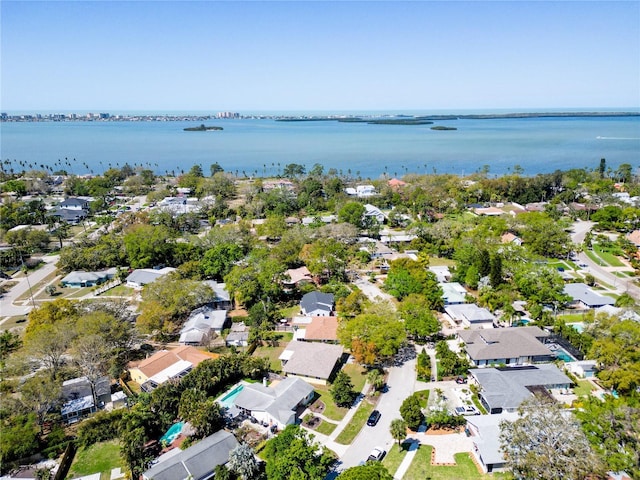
(376, 454)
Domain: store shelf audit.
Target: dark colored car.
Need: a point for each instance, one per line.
(373, 418)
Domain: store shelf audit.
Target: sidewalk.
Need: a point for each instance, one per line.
(406, 461)
(329, 440)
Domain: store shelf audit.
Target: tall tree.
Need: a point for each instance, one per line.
(243, 461)
(547, 442)
(368, 471)
(411, 412)
(372, 337)
(398, 429)
(342, 390)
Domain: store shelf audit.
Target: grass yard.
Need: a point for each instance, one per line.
(331, 410)
(119, 291)
(423, 397)
(272, 353)
(572, 317)
(357, 374)
(394, 457)
(421, 468)
(13, 322)
(355, 425)
(440, 262)
(326, 428)
(583, 388)
(98, 458)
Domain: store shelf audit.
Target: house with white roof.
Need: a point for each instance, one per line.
(470, 315)
(274, 405)
(202, 324)
(144, 276)
(485, 434)
(453, 293)
(79, 279)
(442, 273)
(371, 211)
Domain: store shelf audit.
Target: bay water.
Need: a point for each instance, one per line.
(262, 147)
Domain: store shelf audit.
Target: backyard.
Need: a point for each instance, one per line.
(98, 458)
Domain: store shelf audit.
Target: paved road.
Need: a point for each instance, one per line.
(370, 290)
(400, 383)
(621, 285)
(7, 307)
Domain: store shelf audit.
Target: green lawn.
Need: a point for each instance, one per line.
(583, 388)
(421, 468)
(101, 457)
(423, 397)
(572, 317)
(331, 410)
(355, 425)
(272, 353)
(119, 291)
(357, 374)
(394, 457)
(326, 428)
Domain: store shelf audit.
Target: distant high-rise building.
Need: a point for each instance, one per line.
(227, 115)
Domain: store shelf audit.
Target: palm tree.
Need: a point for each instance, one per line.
(398, 429)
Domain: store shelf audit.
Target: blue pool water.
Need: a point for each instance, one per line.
(172, 433)
(230, 396)
(562, 354)
(579, 327)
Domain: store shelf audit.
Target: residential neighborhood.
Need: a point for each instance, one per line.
(200, 325)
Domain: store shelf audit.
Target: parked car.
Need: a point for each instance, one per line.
(373, 418)
(460, 411)
(376, 454)
(461, 379)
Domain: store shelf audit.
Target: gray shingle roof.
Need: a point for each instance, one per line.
(507, 387)
(499, 343)
(582, 293)
(317, 301)
(197, 461)
(311, 359)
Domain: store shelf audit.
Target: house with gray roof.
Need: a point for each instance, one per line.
(277, 405)
(78, 279)
(202, 324)
(144, 276)
(79, 399)
(317, 304)
(506, 346)
(505, 388)
(485, 434)
(469, 315)
(197, 462)
(221, 297)
(312, 361)
(585, 297)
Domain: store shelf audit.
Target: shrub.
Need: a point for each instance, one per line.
(411, 412)
(99, 428)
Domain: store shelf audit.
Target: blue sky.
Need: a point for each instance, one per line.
(252, 56)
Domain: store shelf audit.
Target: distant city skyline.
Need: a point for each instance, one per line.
(318, 56)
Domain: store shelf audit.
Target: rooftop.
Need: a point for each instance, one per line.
(504, 343)
(311, 359)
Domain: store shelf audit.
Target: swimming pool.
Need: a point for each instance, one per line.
(172, 433)
(562, 354)
(578, 326)
(227, 399)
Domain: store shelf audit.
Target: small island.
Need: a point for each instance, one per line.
(441, 127)
(201, 128)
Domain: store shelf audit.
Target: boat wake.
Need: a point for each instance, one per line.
(617, 138)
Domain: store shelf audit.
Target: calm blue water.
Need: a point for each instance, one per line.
(257, 147)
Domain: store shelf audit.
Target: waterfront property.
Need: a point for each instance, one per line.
(505, 388)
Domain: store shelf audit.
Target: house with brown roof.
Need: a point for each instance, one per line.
(316, 329)
(297, 277)
(511, 238)
(634, 237)
(396, 183)
(166, 365)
